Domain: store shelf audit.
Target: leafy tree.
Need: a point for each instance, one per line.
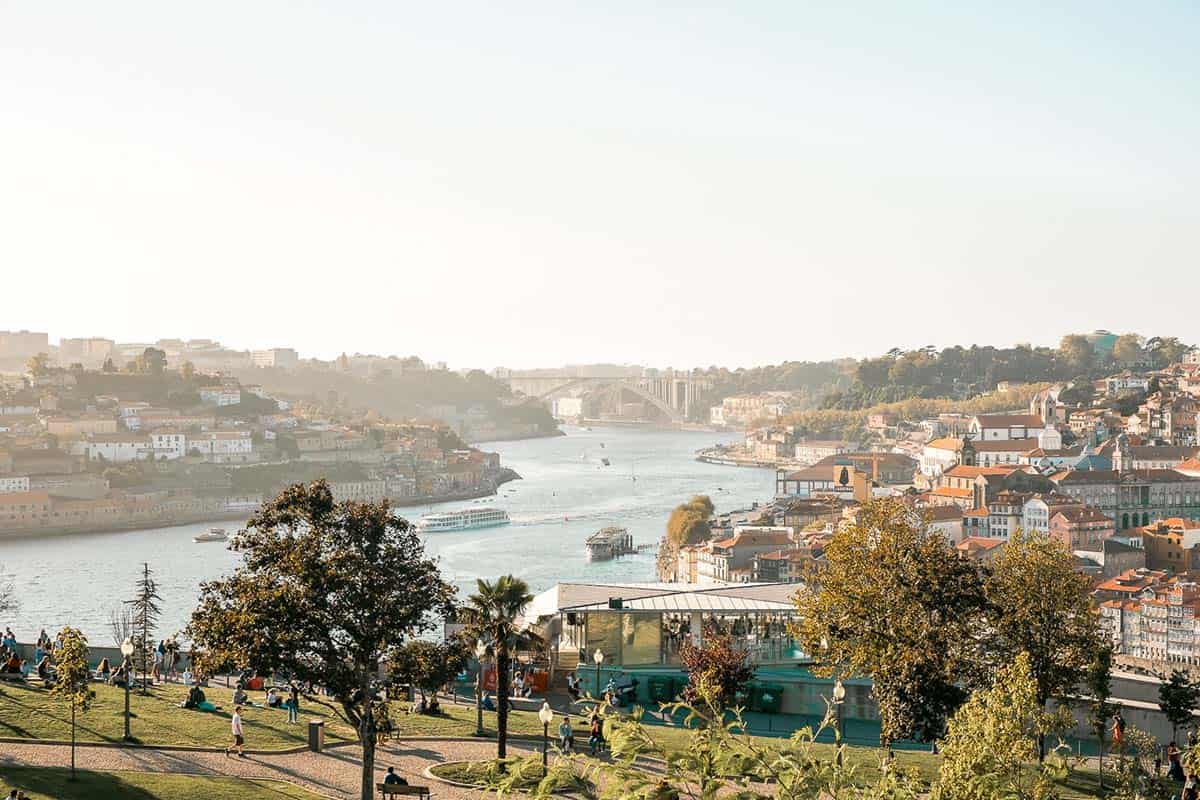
(152, 361)
(1099, 683)
(187, 371)
(427, 665)
(71, 678)
(1178, 697)
(1041, 606)
(38, 365)
(992, 736)
(1166, 350)
(897, 604)
(1076, 351)
(491, 616)
(145, 613)
(326, 592)
(718, 664)
(688, 524)
(1128, 348)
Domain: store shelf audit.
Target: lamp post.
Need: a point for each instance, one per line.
(839, 695)
(545, 714)
(126, 666)
(480, 652)
(598, 657)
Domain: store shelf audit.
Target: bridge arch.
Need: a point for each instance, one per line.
(603, 383)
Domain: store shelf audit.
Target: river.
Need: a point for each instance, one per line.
(566, 494)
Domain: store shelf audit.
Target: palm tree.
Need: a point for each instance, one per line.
(491, 616)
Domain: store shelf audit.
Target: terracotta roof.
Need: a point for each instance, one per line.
(946, 491)
(1078, 514)
(946, 443)
(24, 498)
(1095, 476)
(942, 513)
(962, 471)
(1006, 446)
(1009, 420)
(978, 543)
(1161, 452)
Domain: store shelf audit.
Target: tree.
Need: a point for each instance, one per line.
(688, 524)
(718, 665)
(38, 365)
(992, 736)
(187, 371)
(145, 613)
(1178, 697)
(1041, 606)
(1128, 348)
(71, 678)
(1076, 350)
(326, 592)
(427, 665)
(152, 361)
(897, 604)
(491, 616)
(1099, 683)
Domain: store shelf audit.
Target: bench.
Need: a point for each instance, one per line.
(15, 677)
(400, 789)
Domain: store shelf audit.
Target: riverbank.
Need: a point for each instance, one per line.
(731, 458)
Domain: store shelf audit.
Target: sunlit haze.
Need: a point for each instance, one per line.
(546, 183)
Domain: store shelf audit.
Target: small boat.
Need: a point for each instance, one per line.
(604, 461)
(609, 543)
(212, 535)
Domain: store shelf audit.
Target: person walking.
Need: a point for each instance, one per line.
(239, 738)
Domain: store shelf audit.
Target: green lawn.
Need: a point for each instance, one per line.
(28, 711)
(43, 782)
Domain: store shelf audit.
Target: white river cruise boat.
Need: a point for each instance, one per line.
(467, 519)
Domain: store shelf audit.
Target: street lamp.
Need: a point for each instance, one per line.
(127, 664)
(545, 714)
(480, 652)
(598, 657)
(839, 696)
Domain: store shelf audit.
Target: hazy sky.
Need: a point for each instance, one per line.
(537, 183)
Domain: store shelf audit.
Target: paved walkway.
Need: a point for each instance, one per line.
(334, 773)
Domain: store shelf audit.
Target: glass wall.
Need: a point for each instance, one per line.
(641, 639)
(604, 634)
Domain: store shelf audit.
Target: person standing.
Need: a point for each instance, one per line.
(239, 738)
(293, 702)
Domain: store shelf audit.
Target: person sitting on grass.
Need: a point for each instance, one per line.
(274, 699)
(45, 671)
(240, 698)
(392, 779)
(433, 707)
(195, 697)
(13, 664)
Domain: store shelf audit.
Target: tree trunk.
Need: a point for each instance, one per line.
(366, 736)
(502, 702)
(1041, 747)
(72, 739)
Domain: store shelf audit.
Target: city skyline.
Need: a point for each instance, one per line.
(491, 188)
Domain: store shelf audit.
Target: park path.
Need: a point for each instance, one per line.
(333, 773)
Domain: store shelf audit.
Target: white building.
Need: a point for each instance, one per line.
(276, 357)
(116, 448)
(222, 447)
(221, 395)
(811, 451)
(1003, 427)
(14, 483)
(359, 491)
(168, 444)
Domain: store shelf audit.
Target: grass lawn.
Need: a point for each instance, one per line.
(28, 711)
(43, 782)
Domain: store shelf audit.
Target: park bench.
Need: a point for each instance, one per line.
(14, 677)
(400, 789)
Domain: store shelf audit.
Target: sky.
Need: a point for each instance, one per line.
(531, 184)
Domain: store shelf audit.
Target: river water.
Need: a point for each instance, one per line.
(565, 495)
